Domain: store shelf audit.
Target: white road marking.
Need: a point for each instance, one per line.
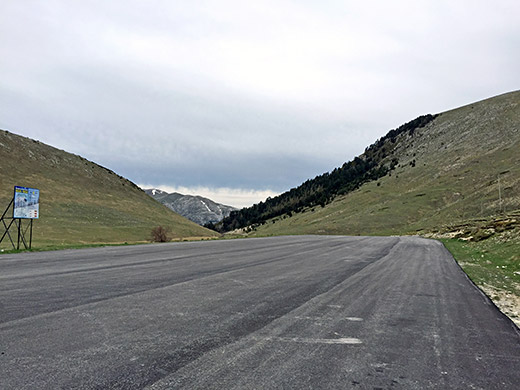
(305, 340)
(328, 318)
(357, 319)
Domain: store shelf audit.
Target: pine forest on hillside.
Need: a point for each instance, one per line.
(371, 165)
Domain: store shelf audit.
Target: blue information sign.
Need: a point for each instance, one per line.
(26, 203)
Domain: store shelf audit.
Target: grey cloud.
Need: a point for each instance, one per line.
(242, 95)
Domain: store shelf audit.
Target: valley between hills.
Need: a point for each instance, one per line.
(453, 176)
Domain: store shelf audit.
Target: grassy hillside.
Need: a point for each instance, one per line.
(370, 166)
(460, 171)
(457, 178)
(80, 201)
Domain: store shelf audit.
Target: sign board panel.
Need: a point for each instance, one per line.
(26, 202)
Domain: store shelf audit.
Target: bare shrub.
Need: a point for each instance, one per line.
(160, 234)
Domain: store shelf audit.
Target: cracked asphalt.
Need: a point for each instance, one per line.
(306, 312)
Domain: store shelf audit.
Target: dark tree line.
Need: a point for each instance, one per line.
(372, 165)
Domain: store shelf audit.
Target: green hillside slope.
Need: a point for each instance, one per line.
(462, 168)
(80, 201)
(372, 165)
(458, 176)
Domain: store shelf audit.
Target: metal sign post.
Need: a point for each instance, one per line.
(26, 206)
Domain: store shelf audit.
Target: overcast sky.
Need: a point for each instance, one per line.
(240, 100)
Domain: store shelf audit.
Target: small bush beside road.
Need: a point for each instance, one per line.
(160, 234)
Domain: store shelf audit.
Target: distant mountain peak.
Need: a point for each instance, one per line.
(155, 191)
(194, 207)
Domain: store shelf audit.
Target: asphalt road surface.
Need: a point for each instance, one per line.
(275, 313)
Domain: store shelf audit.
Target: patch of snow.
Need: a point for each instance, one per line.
(205, 205)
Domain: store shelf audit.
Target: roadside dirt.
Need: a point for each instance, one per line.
(507, 302)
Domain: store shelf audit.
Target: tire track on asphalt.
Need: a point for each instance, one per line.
(150, 285)
(255, 320)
